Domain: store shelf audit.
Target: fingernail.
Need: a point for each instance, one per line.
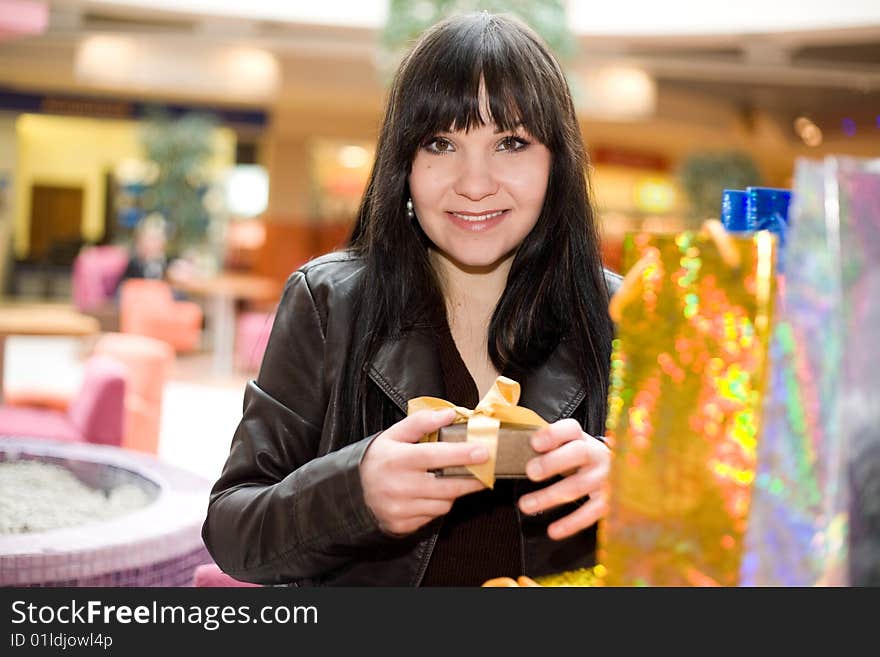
(539, 441)
(534, 470)
(479, 454)
(528, 504)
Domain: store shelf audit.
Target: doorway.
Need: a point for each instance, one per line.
(56, 224)
(55, 239)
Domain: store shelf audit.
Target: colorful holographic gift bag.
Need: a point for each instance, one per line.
(824, 372)
(858, 209)
(687, 377)
(796, 472)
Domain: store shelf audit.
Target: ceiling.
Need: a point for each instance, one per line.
(829, 75)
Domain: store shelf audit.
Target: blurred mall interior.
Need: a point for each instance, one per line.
(267, 114)
(299, 94)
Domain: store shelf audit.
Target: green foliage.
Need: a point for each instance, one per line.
(409, 18)
(704, 175)
(181, 149)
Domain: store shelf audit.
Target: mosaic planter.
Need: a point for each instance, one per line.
(157, 545)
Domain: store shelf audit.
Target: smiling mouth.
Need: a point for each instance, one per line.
(475, 217)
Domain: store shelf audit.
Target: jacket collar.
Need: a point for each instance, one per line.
(408, 367)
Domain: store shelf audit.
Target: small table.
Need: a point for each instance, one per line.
(223, 290)
(42, 319)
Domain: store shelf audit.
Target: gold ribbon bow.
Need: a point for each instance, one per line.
(483, 422)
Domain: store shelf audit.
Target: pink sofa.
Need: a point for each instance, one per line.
(95, 414)
(209, 574)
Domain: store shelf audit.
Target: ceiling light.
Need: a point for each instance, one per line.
(812, 136)
(247, 190)
(105, 59)
(800, 123)
(183, 67)
(251, 71)
(808, 131)
(352, 157)
(617, 93)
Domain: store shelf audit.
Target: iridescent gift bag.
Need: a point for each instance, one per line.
(785, 544)
(687, 378)
(823, 369)
(858, 205)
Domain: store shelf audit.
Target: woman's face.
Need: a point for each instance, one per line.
(477, 194)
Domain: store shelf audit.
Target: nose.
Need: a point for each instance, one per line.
(475, 180)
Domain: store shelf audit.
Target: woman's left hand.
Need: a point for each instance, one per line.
(583, 463)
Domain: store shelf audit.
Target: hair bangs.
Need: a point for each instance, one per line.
(468, 71)
(514, 100)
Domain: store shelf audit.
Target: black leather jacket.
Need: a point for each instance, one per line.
(289, 506)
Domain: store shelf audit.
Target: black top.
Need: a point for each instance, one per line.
(480, 537)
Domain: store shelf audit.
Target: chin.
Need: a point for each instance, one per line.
(477, 259)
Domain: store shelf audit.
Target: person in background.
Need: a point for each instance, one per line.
(149, 258)
(475, 254)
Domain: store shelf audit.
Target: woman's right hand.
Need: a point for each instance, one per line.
(395, 473)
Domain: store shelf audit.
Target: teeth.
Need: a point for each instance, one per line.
(479, 217)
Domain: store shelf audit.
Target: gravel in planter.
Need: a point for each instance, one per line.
(36, 497)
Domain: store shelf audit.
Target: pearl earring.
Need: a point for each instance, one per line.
(409, 209)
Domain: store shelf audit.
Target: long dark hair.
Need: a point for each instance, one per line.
(555, 289)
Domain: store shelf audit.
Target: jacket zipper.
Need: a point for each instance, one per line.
(427, 555)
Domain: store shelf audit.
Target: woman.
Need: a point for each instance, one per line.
(475, 254)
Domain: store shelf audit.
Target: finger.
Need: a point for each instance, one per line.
(404, 514)
(407, 486)
(433, 456)
(450, 488)
(574, 487)
(567, 458)
(500, 582)
(524, 580)
(554, 435)
(426, 508)
(407, 526)
(413, 427)
(584, 516)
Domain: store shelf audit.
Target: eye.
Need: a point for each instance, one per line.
(438, 145)
(513, 144)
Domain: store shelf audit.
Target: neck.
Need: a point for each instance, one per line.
(475, 288)
(471, 294)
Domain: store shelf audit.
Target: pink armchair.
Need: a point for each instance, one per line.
(147, 307)
(251, 338)
(95, 414)
(96, 274)
(148, 365)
